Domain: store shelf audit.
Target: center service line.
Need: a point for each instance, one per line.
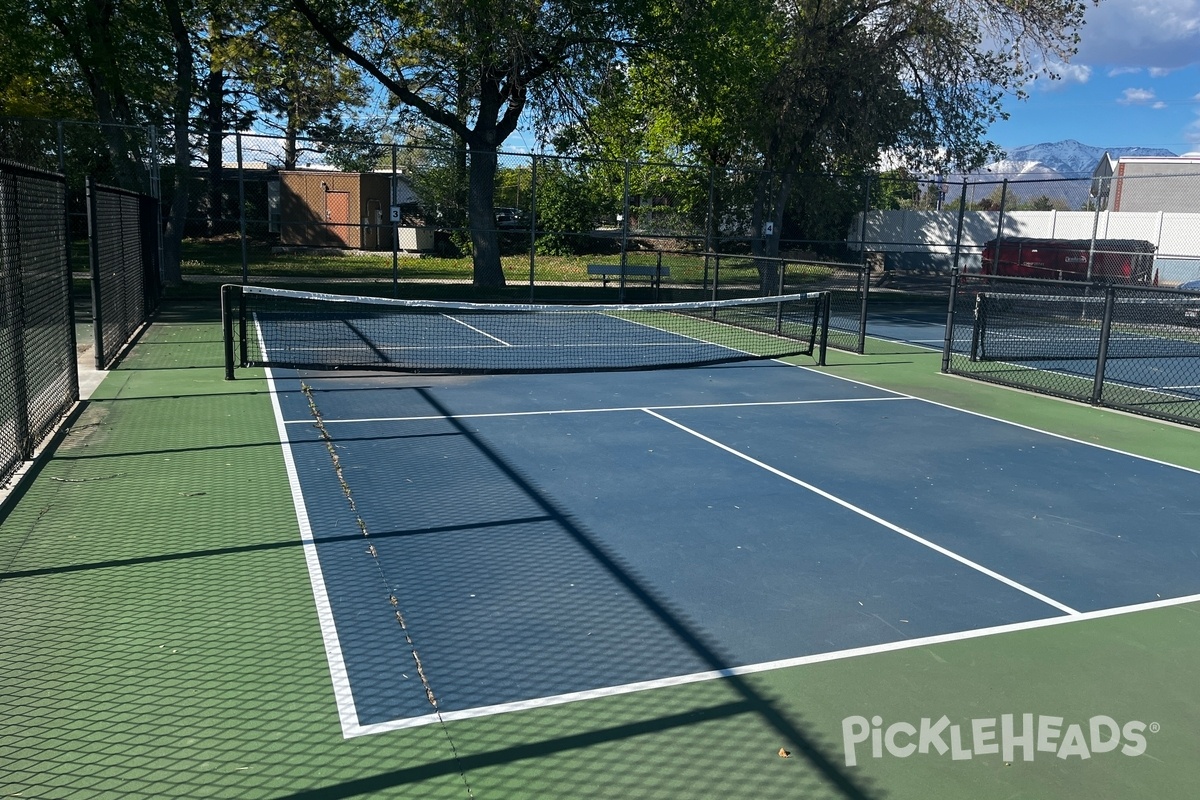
(867, 514)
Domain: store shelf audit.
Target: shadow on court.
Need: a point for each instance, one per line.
(510, 536)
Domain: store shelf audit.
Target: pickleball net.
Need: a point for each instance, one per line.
(312, 330)
(1058, 327)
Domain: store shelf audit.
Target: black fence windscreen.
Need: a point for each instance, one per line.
(37, 334)
(123, 238)
(1136, 348)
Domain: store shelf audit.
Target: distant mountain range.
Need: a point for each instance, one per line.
(1065, 159)
(1058, 170)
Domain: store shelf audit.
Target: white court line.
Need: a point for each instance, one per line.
(553, 412)
(1001, 420)
(766, 666)
(868, 515)
(343, 696)
(477, 330)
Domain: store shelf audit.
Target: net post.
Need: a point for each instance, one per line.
(227, 291)
(243, 353)
(1110, 295)
(825, 303)
(948, 340)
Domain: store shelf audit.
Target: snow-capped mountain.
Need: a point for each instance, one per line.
(1059, 171)
(1065, 159)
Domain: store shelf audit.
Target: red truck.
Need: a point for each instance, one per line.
(1112, 260)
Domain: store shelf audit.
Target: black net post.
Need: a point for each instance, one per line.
(948, 341)
(823, 338)
(227, 317)
(1102, 355)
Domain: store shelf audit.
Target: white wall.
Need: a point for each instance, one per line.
(1174, 235)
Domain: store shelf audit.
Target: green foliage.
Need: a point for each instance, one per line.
(566, 204)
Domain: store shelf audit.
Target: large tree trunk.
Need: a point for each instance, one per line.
(481, 217)
(184, 82)
(214, 91)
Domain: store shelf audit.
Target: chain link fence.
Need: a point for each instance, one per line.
(123, 238)
(37, 334)
(1141, 226)
(124, 156)
(395, 218)
(1136, 348)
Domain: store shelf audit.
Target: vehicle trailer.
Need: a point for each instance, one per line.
(1106, 260)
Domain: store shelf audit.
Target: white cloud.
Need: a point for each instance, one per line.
(1068, 75)
(1191, 134)
(1160, 72)
(1074, 73)
(1159, 105)
(1113, 73)
(1161, 34)
(1136, 97)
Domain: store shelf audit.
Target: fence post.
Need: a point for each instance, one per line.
(862, 228)
(1110, 294)
(716, 274)
(394, 224)
(865, 276)
(624, 234)
(1092, 241)
(242, 208)
(532, 224)
(709, 220)
(1000, 227)
(97, 279)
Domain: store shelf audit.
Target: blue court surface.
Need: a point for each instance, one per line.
(492, 543)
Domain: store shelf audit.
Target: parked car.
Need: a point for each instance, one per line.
(511, 219)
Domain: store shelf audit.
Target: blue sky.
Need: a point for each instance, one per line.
(1134, 82)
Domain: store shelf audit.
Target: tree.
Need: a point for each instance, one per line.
(298, 85)
(804, 86)
(473, 70)
(118, 52)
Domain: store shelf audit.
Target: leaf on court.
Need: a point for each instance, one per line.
(785, 753)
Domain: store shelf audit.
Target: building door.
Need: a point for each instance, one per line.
(337, 216)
